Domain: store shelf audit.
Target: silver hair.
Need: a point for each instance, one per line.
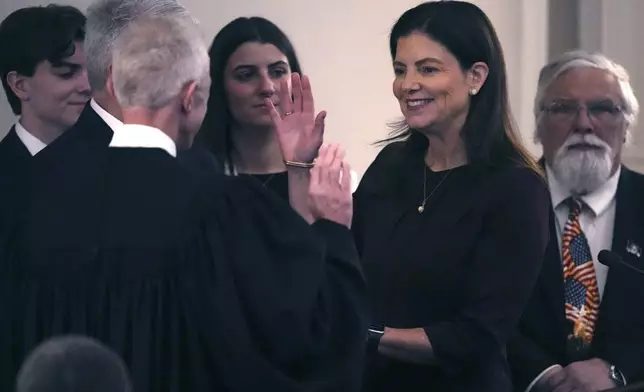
(72, 362)
(581, 59)
(155, 58)
(106, 19)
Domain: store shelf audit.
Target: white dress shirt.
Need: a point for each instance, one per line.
(32, 143)
(597, 221)
(110, 120)
(142, 136)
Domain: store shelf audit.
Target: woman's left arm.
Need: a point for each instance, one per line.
(497, 283)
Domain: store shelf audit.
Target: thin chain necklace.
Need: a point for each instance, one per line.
(232, 170)
(421, 207)
(268, 179)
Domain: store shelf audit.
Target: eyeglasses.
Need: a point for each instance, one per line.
(602, 112)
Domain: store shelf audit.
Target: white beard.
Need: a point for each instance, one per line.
(583, 171)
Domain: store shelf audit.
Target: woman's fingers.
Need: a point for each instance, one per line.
(276, 118)
(296, 92)
(308, 104)
(286, 102)
(345, 179)
(335, 168)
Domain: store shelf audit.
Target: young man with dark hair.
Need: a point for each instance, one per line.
(42, 66)
(43, 74)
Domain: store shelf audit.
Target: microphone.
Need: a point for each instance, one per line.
(612, 259)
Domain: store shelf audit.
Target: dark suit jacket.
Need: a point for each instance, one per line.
(14, 159)
(14, 156)
(619, 336)
(13, 152)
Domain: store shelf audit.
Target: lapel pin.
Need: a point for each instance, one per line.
(633, 248)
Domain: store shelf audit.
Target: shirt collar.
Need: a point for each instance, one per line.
(143, 136)
(113, 122)
(32, 143)
(597, 200)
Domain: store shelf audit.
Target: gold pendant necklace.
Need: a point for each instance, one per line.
(421, 207)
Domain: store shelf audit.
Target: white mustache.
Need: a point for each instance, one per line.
(590, 139)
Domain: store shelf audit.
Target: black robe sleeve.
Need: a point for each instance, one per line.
(290, 297)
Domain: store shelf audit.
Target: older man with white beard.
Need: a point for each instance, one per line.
(583, 329)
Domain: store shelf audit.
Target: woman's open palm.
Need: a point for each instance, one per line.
(300, 132)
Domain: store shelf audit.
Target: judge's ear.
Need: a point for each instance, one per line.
(19, 85)
(188, 96)
(109, 83)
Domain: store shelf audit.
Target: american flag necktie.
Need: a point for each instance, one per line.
(580, 283)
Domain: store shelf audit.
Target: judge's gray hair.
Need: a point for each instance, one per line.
(581, 59)
(155, 58)
(106, 19)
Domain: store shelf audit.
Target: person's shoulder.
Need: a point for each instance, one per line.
(517, 181)
(390, 151)
(200, 160)
(518, 176)
(10, 144)
(634, 177)
(8, 137)
(387, 161)
(11, 140)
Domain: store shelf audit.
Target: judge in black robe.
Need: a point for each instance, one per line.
(199, 285)
(121, 258)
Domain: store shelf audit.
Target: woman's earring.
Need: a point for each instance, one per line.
(473, 91)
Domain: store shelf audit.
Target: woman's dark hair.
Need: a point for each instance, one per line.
(489, 133)
(215, 131)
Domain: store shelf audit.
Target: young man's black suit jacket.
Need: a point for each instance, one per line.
(14, 159)
(619, 335)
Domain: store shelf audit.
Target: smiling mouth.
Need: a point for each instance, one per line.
(418, 103)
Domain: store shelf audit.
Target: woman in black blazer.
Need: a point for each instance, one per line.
(451, 219)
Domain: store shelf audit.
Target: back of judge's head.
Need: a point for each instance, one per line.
(73, 364)
(155, 58)
(106, 19)
(161, 63)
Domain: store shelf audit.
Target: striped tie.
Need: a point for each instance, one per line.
(580, 283)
